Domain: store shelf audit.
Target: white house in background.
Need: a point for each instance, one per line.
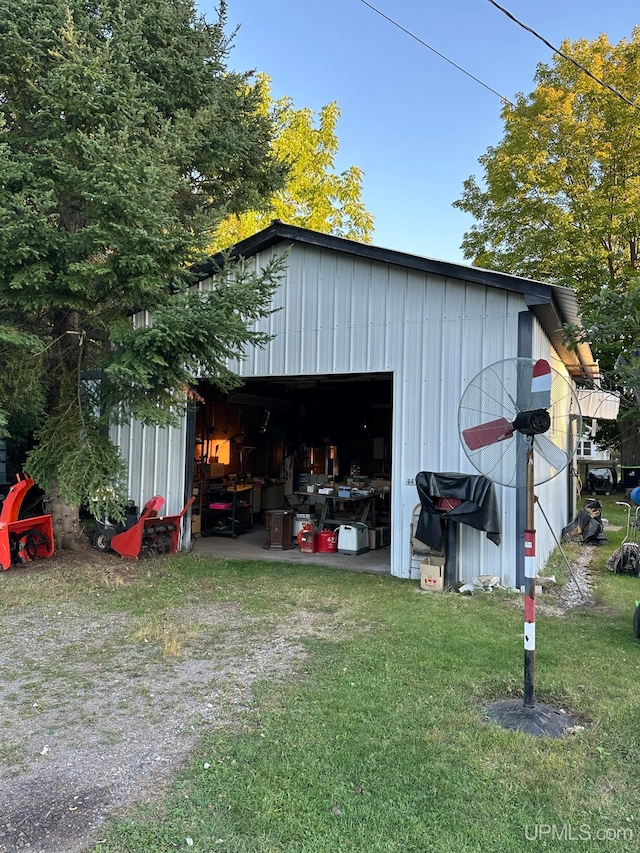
(371, 352)
(597, 468)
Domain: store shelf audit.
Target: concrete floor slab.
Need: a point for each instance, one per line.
(250, 546)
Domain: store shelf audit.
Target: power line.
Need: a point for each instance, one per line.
(565, 56)
(437, 52)
(505, 100)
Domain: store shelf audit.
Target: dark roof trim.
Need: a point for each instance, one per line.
(551, 304)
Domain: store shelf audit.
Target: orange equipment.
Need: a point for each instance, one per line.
(23, 539)
(151, 534)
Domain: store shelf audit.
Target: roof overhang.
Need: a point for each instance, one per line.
(599, 404)
(551, 304)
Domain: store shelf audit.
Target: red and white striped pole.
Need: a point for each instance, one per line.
(530, 588)
(540, 398)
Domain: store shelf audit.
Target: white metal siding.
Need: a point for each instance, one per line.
(555, 499)
(156, 463)
(341, 314)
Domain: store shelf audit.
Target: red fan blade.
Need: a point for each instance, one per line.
(540, 385)
(486, 434)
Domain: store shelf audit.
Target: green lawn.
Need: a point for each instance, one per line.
(380, 744)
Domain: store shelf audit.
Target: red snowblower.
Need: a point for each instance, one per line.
(23, 540)
(151, 534)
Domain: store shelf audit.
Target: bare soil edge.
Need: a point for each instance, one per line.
(95, 719)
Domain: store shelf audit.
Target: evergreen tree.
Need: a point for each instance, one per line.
(124, 142)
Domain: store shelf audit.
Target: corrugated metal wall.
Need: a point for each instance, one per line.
(556, 499)
(341, 314)
(156, 463)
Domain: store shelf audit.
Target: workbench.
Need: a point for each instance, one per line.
(331, 507)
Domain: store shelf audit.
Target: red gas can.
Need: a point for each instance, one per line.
(327, 541)
(307, 540)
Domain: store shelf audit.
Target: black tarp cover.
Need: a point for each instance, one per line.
(586, 527)
(479, 507)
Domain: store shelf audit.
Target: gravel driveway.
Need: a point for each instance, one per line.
(96, 718)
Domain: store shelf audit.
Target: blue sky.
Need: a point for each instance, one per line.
(411, 121)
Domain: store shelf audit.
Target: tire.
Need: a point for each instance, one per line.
(102, 541)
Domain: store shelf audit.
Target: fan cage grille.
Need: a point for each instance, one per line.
(503, 390)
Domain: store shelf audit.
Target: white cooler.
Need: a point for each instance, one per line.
(353, 539)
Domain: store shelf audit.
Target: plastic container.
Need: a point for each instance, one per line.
(353, 539)
(300, 521)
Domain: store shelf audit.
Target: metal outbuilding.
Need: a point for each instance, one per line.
(352, 315)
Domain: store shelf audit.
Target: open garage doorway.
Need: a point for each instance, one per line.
(295, 444)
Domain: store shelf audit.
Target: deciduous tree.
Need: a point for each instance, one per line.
(560, 196)
(315, 195)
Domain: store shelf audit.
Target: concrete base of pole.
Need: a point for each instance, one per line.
(539, 721)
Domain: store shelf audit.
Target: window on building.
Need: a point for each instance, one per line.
(585, 447)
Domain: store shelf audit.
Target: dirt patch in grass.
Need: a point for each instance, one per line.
(577, 591)
(99, 708)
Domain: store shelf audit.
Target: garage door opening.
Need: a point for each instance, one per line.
(311, 446)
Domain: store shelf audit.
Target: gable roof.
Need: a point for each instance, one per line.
(551, 304)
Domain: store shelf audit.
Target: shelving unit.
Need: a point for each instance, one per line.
(228, 510)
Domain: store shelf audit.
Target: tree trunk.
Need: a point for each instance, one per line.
(630, 442)
(67, 533)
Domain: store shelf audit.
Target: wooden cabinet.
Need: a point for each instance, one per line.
(279, 527)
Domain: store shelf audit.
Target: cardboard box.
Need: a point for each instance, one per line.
(432, 573)
(216, 469)
(379, 537)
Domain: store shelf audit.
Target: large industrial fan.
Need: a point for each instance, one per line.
(519, 422)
